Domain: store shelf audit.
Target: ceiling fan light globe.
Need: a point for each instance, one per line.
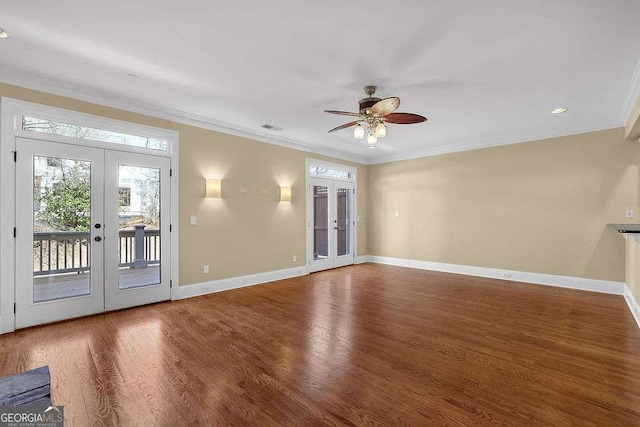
(381, 130)
(372, 138)
(358, 132)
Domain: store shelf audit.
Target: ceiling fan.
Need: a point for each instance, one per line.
(374, 113)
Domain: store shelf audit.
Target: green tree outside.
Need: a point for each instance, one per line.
(66, 205)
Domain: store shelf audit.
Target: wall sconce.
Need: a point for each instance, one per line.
(213, 188)
(285, 194)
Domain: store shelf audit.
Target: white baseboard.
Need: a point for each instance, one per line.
(188, 291)
(362, 259)
(633, 304)
(604, 286)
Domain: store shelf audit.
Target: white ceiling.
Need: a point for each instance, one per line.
(484, 73)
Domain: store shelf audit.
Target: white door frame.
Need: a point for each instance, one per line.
(11, 112)
(347, 174)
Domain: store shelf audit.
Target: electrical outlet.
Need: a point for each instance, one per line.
(244, 190)
(294, 259)
(205, 269)
(506, 275)
(628, 214)
(193, 220)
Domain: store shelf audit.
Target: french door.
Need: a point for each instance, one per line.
(331, 224)
(92, 231)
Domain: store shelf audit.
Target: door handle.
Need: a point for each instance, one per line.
(98, 225)
(97, 238)
(335, 228)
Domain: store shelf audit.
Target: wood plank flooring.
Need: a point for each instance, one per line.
(360, 345)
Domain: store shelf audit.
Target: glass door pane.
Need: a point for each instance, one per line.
(59, 234)
(138, 226)
(343, 221)
(320, 222)
(61, 228)
(137, 214)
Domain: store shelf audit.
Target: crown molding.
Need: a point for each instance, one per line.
(633, 94)
(83, 93)
(474, 144)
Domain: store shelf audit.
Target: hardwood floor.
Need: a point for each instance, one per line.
(368, 344)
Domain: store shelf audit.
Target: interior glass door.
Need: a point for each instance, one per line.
(320, 233)
(92, 231)
(331, 228)
(59, 234)
(137, 227)
(344, 224)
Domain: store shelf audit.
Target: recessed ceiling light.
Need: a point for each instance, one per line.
(3, 34)
(559, 111)
(372, 147)
(132, 76)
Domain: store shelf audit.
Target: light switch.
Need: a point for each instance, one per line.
(244, 190)
(397, 214)
(193, 220)
(205, 269)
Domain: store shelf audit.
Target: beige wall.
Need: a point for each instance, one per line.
(632, 267)
(537, 207)
(238, 234)
(244, 234)
(632, 272)
(632, 128)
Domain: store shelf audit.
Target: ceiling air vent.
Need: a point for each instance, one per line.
(272, 127)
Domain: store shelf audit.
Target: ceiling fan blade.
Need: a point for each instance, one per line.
(386, 106)
(404, 118)
(348, 125)
(343, 113)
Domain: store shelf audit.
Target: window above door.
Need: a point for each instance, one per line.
(38, 121)
(334, 171)
(53, 127)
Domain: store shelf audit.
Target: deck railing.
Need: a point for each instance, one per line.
(69, 251)
(151, 246)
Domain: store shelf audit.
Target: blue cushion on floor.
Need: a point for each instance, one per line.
(27, 388)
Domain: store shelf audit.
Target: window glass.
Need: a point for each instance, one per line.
(53, 127)
(322, 171)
